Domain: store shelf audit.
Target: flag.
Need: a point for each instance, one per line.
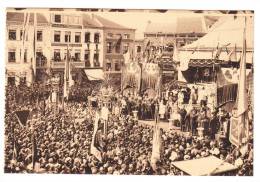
(231, 55)
(239, 123)
(157, 143)
(118, 43)
(146, 49)
(33, 63)
(66, 75)
(94, 148)
(195, 49)
(34, 150)
(15, 153)
(22, 117)
(126, 57)
(217, 52)
(176, 53)
(26, 17)
(104, 117)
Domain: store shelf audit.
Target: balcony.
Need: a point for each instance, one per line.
(61, 64)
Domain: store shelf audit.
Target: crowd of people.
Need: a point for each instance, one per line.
(63, 140)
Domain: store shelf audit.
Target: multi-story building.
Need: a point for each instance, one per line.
(81, 36)
(95, 45)
(20, 69)
(117, 41)
(181, 31)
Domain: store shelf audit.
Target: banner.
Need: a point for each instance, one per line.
(34, 150)
(22, 116)
(238, 130)
(157, 143)
(131, 76)
(150, 76)
(95, 142)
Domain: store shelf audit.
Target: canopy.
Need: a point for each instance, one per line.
(227, 31)
(204, 166)
(227, 35)
(94, 74)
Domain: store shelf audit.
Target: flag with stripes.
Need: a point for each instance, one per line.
(239, 124)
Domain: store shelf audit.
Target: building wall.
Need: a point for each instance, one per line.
(117, 57)
(21, 68)
(74, 47)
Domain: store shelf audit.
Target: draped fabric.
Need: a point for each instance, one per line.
(150, 76)
(226, 93)
(131, 75)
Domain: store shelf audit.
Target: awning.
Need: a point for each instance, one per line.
(203, 62)
(94, 74)
(204, 166)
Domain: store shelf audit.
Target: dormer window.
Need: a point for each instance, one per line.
(57, 18)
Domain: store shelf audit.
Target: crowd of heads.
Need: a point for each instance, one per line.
(63, 142)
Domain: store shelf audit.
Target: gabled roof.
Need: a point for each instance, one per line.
(19, 17)
(109, 24)
(89, 21)
(178, 25)
(190, 25)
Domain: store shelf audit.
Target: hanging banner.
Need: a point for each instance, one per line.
(131, 75)
(150, 76)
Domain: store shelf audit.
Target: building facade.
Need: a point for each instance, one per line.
(80, 36)
(95, 46)
(20, 46)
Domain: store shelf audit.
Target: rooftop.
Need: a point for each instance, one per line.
(178, 25)
(19, 17)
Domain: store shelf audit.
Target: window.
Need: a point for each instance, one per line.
(87, 37)
(96, 60)
(11, 56)
(77, 37)
(57, 36)
(109, 47)
(12, 34)
(39, 35)
(57, 18)
(96, 47)
(67, 36)
(21, 35)
(77, 55)
(125, 48)
(86, 55)
(126, 36)
(86, 58)
(96, 37)
(57, 55)
(139, 49)
(108, 65)
(25, 56)
(118, 47)
(117, 66)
